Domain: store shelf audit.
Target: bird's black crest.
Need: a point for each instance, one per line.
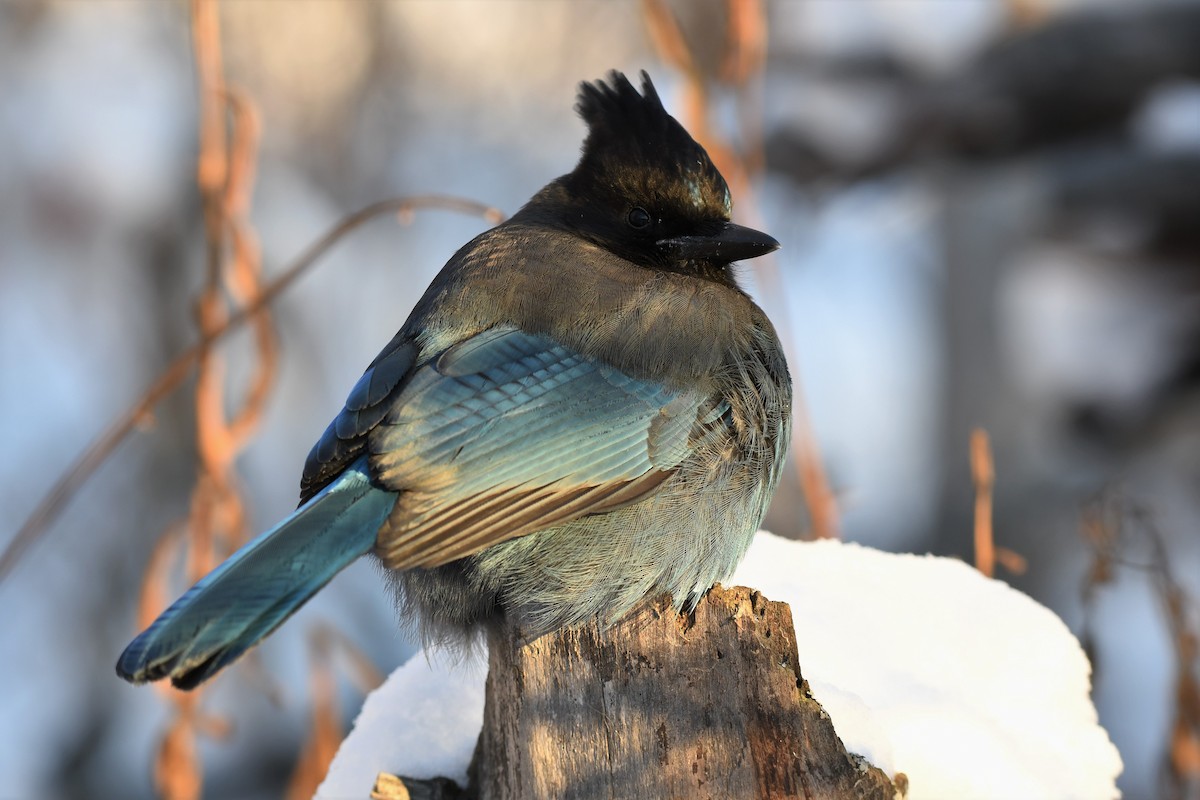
(630, 129)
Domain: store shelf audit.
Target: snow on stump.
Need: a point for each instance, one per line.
(967, 686)
(700, 705)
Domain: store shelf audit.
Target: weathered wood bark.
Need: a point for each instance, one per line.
(706, 705)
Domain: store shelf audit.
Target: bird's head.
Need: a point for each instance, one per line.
(645, 190)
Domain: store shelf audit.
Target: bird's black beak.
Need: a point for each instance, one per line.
(731, 243)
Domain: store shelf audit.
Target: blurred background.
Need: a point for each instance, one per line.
(990, 217)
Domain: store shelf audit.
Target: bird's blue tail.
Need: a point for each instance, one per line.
(261, 585)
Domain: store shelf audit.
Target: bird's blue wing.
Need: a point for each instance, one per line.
(510, 432)
(346, 437)
(253, 591)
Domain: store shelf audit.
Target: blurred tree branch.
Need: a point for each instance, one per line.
(1113, 526)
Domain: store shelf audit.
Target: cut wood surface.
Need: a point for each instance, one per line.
(710, 704)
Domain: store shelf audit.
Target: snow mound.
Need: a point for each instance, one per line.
(969, 687)
(966, 685)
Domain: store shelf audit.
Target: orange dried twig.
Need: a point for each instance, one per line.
(326, 732)
(1107, 526)
(742, 67)
(363, 673)
(1026, 14)
(818, 496)
(177, 769)
(667, 37)
(243, 280)
(746, 47)
(1012, 561)
(325, 735)
(216, 508)
(155, 592)
(983, 473)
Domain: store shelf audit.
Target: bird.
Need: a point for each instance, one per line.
(583, 411)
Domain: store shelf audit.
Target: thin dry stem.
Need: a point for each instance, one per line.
(177, 767)
(667, 37)
(326, 732)
(746, 45)
(243, 279)
(822, 504)
(1025, 14)
(983, 473)
(325, 642)
(743, 67)
(365, 676)
(217, 516)
(1011, 560)
(1112, 526)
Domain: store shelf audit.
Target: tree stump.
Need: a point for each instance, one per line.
(664, 705)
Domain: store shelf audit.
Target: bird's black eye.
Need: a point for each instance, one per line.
(639, 217)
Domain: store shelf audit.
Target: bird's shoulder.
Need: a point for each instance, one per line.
(652, 326)
(546, 281)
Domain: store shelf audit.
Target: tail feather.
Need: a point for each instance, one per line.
(261, 585)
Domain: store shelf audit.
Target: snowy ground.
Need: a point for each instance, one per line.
(966, 685)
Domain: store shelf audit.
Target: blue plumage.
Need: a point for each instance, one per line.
(582, 410)
(261, 585)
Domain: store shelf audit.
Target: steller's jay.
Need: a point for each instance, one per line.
(582, 410)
